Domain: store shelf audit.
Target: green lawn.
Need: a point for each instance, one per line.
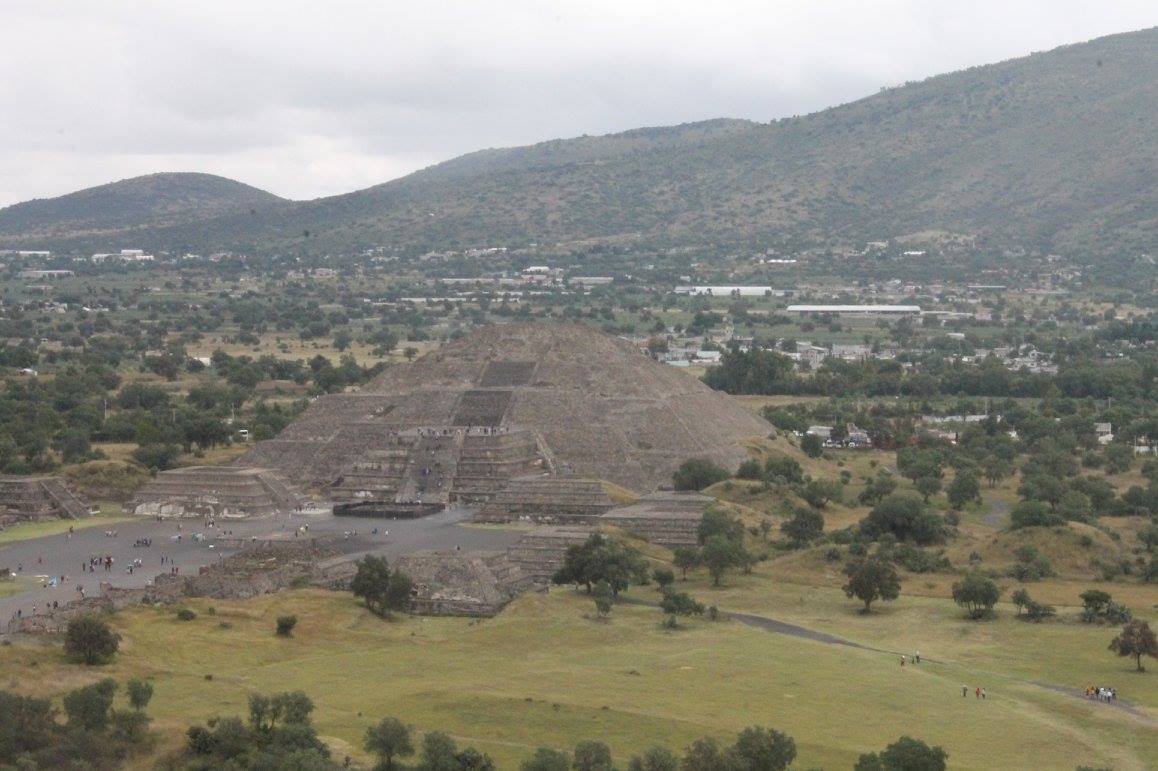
(28, 530)
(545, 673)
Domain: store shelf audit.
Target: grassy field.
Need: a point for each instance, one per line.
(28, 530)
(507, 685)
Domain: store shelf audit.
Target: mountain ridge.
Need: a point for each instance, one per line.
(1054, 149)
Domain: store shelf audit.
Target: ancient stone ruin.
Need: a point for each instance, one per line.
(454, 583)
(34, 499)
(665, 518)
(547, 500)
(256, 570)
(509, 401)
(539, 552)
(222, 492)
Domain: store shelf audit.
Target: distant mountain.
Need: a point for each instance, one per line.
(140, 203)
(1056, 150)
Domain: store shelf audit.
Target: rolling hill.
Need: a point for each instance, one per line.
(141, 203)
(1055, 150)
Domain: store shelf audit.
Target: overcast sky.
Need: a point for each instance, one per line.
(307, 99)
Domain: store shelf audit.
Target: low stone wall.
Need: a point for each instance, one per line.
(254, 571)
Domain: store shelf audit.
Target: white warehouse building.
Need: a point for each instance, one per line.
(858, 310)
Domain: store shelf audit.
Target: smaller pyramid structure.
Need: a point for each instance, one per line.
(216, 491)
(35, 499)
(551, 500)
(454, 583)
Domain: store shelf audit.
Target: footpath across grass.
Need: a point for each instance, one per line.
(546, 672)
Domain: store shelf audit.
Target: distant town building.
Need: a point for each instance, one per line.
(858, 310)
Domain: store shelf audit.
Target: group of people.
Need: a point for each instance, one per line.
(1101, 693)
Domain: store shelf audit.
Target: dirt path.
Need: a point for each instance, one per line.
(776, 626)
(998, 516)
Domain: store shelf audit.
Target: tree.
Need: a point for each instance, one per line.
(877, 488)
(805, 526)
(907, 518)
(686, 558)
(698, 473)
(285, 625)
(663, 577)
(600, 558)
(388, 740)
(680, 604)
(140, 693)
(88, 707)
(439, 752)
(995, 469)
(905, 754)
(592, 756)
(706, 755)
(764, 749)
(719, 522)
(819, 492)
(964, 488)
(977, 594)
(1136, 639)
(811, 445)
(927, 486)
(546, 759)
(719, 554)
(655, 759)
(872, 579)
(371, 583)
(90, 640)
(603, 595)
(399, 591)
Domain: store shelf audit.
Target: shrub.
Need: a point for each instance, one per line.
(806, 525)
(907, 518)
(663, 576)
(285, 625)
(698, 473)
(1038, 611)
(184, 614)
(1030, 565)
(750, 469)
(783, 469)
(1033, 514)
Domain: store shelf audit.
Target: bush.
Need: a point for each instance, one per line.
(1030, 565)
(1038, 611)
(907, 518)
(285, 625)
(184, 614)
(750, 469)
(1033, 514)
(698, 473)
(783, 469)
(806, 525)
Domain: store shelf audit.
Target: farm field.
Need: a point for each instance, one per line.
(506, 685)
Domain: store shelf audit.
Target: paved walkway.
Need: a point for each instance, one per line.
(61, 555)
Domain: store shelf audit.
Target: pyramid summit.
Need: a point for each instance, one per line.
(507, 401)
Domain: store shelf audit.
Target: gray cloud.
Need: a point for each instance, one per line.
(308, 99)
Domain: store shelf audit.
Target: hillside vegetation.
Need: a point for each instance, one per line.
(119, 208)
(1055, 150)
